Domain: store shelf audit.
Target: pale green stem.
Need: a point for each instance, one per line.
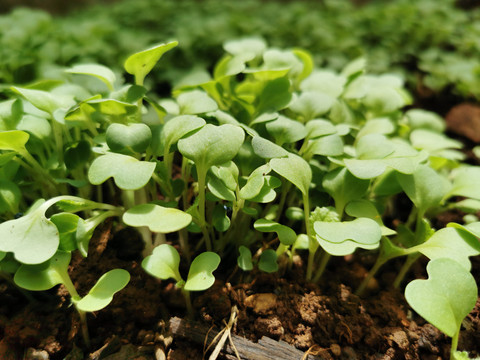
(58, 136)
(202, 174)
(453, 349)
(188, 303)
(411, 259)
(313, 245)
(322, 266)
(378, 264)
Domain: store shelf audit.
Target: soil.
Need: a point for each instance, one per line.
(326, 319)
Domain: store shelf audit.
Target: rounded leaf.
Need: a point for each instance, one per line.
(244, 260)
(101, 72)
(268, 261)
(285, 234)
(163, 263)
(200, 275)
(131, 137)
(295, 169)
(157, 218)
(102, 292)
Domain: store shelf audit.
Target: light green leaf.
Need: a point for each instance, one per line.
(13, 140)
(132, 137)
(428, 120)
(466, 182)
(324, 81)
(158, 218)
(267, 149)
(446, 297)
(44, 276)
(101, 72)
(311, 104)
(295, 169)
(253, 45)
(286, 130)
(35, 125)
(200, 275)
(220, 220)
(10, 196)
(212, 145)
(44, 100)
(101, 294)
(244, 260)
(196, 102)
(66, 224)
(285, 234)
(128, 172)
(141, 63)
(176, 128)
(275, 96)
(329, 145)
(32, 238)
(163, 263)
(365, 208)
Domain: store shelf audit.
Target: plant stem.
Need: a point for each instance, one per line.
(188, 303)
(313, 245)
(322, 266)
(378, 264)
(411, 258)
(202, 174)
(453, 348)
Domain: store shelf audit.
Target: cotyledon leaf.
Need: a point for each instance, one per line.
(158, 218)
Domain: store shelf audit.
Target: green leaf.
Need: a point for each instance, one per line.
(425, 187)
(329, 145)
(312, 104)
(252, 45)
(446, 297)
(101, 294)
(286, 130)
(295, 169)
(32, 238)
(163, 263)
(43, 276)
(158, 218)
(267, 149)
(200, 275)
(268, 261)
(13, 140)
(44, 100)
(365, 208)
(176, 128)
(220, 220)
(10, 196)
(244, 260)
(212, 145)
(344, 187)
(450, 242)
(275, 96)
(128, 172)
(196, 102)
(101, 72)
(141, 63)
(285, 234)
(77, 154)
(324, 81)
(36, 126)
(132, 137)
(465, 182)
(66, 224)
(342, 238)
(422, 119)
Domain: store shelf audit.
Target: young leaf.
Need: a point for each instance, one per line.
(177, 127)
(66, 224)
(10, 196)
(43, 276)
(286, 130)
(196, 102)
(294, 169)
(44, 100)
(212, 145)
(163, 263)
(128, 172)
(101, 294)
(285, 234)
(32, 238)
(13, 140)
(101, 72)
(200, 275)
(311, 104)
(268, 261)
(132, 137)
(141, 63)
(446, 297)
(244, 260)
(267, 149)
(158, 218)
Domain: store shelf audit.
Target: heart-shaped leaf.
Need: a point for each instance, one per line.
(295, 169)
(158, 218)
(101, 72)
(311, 104)
(177, 127)
(267, 149)
(141, 63)
(128, 172)
(13, 140)
(131, 137)
(285, 234)
(66, 224)
(32, 238)
(286, 130)
(101, 294)
(268, 261)
(244, 260)
(43, 276)
(362, 232)
(200, 275)
(163, 263)
(446, 297)
(196, 102)
(212, 145)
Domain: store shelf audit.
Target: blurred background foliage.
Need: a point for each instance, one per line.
(434, 45)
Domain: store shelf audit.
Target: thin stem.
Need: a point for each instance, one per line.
(188, 303)
(322, 266)
(411, 259)
(453, 348)
(202, 174)
(378, 264)
(313, 245)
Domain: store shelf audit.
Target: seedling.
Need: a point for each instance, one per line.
(445, 298)
(164, 264)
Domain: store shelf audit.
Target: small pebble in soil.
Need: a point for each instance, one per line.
(271, 327)
(262, 304)
(336, 350)
(33, 354)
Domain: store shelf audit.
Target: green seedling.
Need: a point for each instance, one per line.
(445, 298)
(54, 271)
(164, 264)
